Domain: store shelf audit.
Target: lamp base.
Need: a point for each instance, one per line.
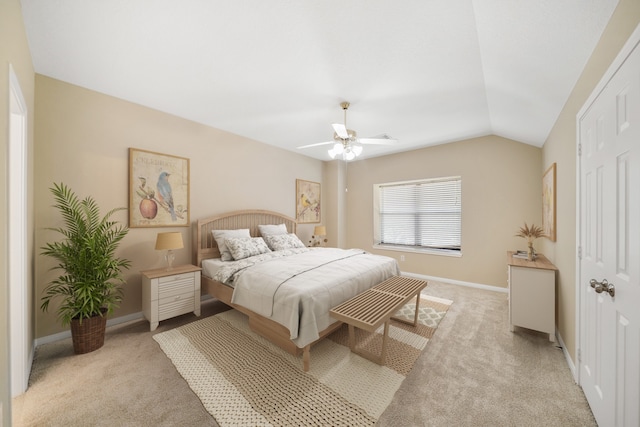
(169, 257)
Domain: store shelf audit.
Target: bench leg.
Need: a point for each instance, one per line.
(352, 338)
(383, 353)
(377, 358)
(415, 319)
(415, 315)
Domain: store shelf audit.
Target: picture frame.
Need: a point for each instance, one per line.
(308, 206)
(549, 203)
(158, 190)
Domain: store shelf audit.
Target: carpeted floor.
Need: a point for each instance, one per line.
(474, 372)
(242, 378)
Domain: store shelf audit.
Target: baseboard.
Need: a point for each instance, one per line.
(67, 334)
(111, 322)
(567, 356)
(456, 282)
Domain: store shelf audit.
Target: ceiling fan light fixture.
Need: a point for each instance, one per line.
(346, 142)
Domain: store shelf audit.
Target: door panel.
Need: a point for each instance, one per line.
(609, 215)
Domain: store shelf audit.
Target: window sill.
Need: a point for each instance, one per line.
(440, 252)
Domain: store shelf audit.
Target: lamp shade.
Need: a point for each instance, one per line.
(168, 241)
(320, 230)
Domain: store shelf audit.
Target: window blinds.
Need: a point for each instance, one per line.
(422, 214)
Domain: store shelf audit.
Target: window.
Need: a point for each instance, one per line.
(419, 215)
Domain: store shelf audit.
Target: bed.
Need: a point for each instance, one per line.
(286, 293)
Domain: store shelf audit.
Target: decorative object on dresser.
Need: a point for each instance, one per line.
(170, 293)
(532, 294)
(531, 234)
(169, 242)
(158, 190)
(319, 232)
(90, 287)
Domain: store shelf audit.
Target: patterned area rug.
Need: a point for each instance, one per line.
(243, 379)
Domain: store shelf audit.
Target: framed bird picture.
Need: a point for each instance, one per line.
(307, 201)
(158, 190)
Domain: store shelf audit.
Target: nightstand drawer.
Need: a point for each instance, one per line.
(176, 287)
(175, 306)
(175, 278)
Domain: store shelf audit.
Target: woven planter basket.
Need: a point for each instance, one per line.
(88, 336)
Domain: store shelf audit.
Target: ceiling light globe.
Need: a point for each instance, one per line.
(338, 148)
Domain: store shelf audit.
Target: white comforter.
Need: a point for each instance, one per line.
(299, 289)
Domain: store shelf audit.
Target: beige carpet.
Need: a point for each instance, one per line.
(474, 372)
(243, 379)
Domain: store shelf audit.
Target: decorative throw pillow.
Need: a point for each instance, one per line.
(280, 242)
(245, 247)
(221, 235)
(270, 229)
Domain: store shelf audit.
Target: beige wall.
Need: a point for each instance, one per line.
(501, 187)
(560, 148)
(14, 50)
(82, 139)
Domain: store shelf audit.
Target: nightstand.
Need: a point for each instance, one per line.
(170, 293)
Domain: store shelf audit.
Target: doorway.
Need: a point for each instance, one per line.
(20, 357)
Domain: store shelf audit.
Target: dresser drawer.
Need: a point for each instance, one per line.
(181, 285)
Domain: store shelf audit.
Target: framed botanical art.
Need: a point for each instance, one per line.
(307, 201)
(158, 190)
(549, 203)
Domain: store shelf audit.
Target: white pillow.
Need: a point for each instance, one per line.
(280, 242)
(245, 247)
(221, 235)
(270, 229)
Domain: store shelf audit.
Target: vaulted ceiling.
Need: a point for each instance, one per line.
(423, 71)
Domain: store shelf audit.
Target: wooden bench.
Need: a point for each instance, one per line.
(371, 308)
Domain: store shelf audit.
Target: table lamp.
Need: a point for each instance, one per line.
(320, 231)
(169, 242)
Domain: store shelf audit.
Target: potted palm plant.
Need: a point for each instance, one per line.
(90, 286)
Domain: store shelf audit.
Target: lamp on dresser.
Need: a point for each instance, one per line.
(169, 242)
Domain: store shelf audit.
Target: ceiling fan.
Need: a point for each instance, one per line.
(346, 142)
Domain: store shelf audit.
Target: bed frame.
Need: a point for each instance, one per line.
(207, 248)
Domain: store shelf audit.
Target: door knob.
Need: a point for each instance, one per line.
(603, 286)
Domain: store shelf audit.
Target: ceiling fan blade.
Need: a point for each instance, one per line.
(317, 144)
(341, 130)
(383, 139)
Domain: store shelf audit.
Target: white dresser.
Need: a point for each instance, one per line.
(170, 293)
(532, 294)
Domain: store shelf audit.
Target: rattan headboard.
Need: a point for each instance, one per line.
(206, 244)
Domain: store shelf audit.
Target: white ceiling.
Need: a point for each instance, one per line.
(423, 71)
